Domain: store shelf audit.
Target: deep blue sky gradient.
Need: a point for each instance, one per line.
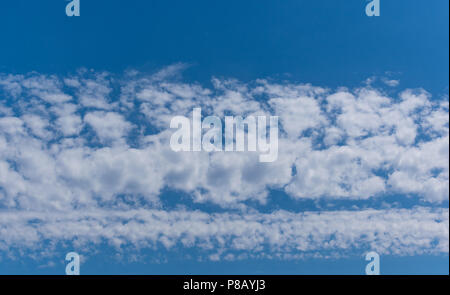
(323, 42)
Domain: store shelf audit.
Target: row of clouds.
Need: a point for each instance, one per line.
(95, 141)
(280, 234)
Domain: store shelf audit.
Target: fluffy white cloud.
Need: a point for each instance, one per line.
(108, 126)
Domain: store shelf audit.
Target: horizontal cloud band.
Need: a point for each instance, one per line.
(276, 235)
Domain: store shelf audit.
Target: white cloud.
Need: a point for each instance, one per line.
(395, 231)
(391, 82)
(108, 126)
(75, 147)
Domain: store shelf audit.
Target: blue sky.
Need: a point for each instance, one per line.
(121, 66)
(323, 42)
